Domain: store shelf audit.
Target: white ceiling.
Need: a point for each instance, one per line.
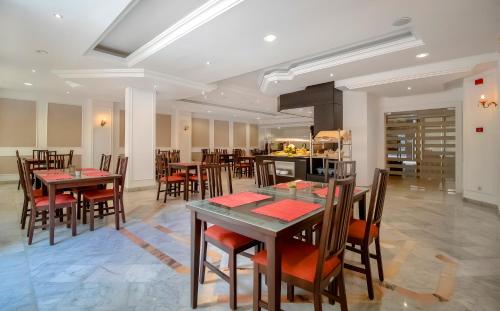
(233, 43)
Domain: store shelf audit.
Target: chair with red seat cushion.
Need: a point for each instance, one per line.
(318, 269)
(364, 233)
(228, 241)
(36, 192)
(172, 182)
(40, 204)
(101, 197)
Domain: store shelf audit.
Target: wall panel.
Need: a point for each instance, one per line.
(163, 130)
(200, 135)
(64, 125)
(239, 135)
(17, 123)
(221, 134)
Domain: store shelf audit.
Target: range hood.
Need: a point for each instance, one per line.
(326, 100)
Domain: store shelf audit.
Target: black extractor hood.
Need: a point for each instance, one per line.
(326, 100)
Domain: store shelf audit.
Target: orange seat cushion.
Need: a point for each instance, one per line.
(96, 195)
(227, 238)
(172, 179)
(37, 193)
(357, 231)
(60, 199)
(195, 177)
(299, 259)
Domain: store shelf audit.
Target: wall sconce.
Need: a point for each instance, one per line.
(103, 122)
(485, 103)
(186, 128)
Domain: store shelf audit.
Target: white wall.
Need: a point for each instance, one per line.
(481, 157)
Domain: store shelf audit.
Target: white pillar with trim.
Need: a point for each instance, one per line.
(140, 140)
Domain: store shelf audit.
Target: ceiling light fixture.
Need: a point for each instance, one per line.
(331, 75)
(276, 81)
(258, 118)
(27, 84)
(402, 21)
(67, 92)
(33, 70)
(270, 38)
(208, 63)
(422, 55)
(221, 93)
(409, 88)
(203, 93)
(43, 52)
(58, 15)
(209, 111)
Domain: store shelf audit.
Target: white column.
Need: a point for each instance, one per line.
(183, 129)
(87, 133)
(211, 133)
(140, 132)
(247, 136)
(42, 112)
(231, 136)
(102, 135)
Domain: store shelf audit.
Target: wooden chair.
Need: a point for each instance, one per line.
(315, 268)
(265, 173)
(93, 197)
(230, 242)
(165, 177)
(18, 158)
(105, 163)
(341, 169)
(364, 233)
(70, 158)
(36, 192)
(41, 156)
(40, 204)
(241, 167)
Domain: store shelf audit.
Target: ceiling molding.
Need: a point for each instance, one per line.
(199, 102)
(205, 13)
(454, 66)
(376, 47)
(132, 73)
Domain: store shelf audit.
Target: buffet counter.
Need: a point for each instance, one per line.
(289, 168)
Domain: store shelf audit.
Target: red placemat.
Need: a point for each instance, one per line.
(324, 191)
(52, 171)
(88, 169)
(287, 209)
(96, 173)
(298, 185)
(54, 176)
(238, 199)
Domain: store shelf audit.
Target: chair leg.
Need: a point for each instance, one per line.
(24, 213)
(18, 184)
(257, 287)
(233, 291)
(166, 193)
(79, 204)
(122, 209)
(290, 292)
(73, 219)
(91, 215)
(379, 260)
(203, 259)
(31, 228)
(368, 272)
(158, 191)
(342, 293)
(317, 299)
(68, 217)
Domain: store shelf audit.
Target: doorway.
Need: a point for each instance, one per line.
(420, 145)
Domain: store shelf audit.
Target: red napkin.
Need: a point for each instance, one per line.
(324, 191)
(287, 209)
(298, 185)
(96, 173)
(238, 199)
(56, 176)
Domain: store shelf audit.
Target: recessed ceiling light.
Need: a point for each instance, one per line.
(331, 75)
(58, 15)
(67, 92)
(422, 55)
(270, 38)
(33, 70)
(275, 81)
(221, 93)
(27, 84)
(402, 21)
(203, 93)
(409, 88)
(42, 52)
(207, 63)
(258, 118)
(155, 86)
(209, 111)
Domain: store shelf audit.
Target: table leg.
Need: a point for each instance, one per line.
(362, 207)
(273, 273)
(116, 203)
(186, 185)
(52, 205)
(195, 257)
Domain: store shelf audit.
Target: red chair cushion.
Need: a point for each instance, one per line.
(37, 193)
(195, 177)
(60, 199)
(227, 238)
(299, 259)
(357, 231)
(96, 195)
(172, 179)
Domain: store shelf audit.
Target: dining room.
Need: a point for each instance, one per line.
(148, 163)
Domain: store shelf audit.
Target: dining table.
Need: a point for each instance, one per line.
(186, 167)
(250, 219)
(58, 179)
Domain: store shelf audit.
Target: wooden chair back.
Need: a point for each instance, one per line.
(58, 161)
(121, 169)
(28, 187)
(377, 199)
(336, 219)
(214, 179)
(70, 158)
(20, 169)
(212, 158)
(341, 169)
(265, 173)
(105, 162)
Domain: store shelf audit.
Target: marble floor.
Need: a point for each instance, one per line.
(439, 253)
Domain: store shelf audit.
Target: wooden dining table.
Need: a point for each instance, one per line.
(186, 167)
(53, 185)
(272, 231)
